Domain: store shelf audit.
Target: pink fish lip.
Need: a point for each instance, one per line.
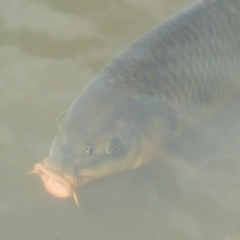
(59, 185)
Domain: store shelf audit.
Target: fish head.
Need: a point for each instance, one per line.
(96, 138)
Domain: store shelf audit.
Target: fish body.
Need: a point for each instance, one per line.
(171, 77)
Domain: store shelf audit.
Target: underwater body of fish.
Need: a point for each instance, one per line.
(171, 77)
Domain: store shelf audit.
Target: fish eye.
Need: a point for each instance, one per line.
(89, 150)
(113, 146)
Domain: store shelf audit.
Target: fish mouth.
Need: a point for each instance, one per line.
(59, 185)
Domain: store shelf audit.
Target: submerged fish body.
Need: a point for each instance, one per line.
(162, 83)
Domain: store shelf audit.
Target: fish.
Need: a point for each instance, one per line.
(170, 78)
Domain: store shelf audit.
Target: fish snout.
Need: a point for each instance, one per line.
(57, 184)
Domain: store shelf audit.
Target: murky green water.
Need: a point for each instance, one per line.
(49, 50)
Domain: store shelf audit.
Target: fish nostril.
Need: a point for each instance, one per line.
(76, 171)
(89, 150)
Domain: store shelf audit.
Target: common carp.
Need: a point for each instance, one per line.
(171, 77)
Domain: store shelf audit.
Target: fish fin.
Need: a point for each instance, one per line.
(178, 164)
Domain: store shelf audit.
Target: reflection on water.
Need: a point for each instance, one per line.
(49, 50)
